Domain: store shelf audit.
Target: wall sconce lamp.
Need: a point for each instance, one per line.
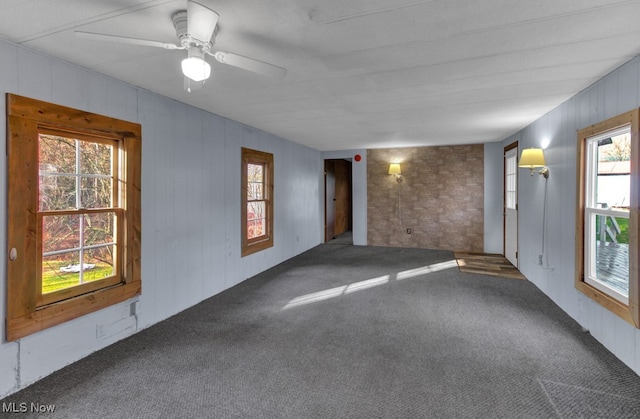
(394, 169)
(532, 158)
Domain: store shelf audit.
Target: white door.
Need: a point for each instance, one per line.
(511, 206)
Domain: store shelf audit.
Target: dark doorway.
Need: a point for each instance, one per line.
(338, 213)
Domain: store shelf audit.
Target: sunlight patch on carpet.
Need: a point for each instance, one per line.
(368, 283)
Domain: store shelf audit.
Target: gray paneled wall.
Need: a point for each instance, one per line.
(493, 185)
(614, 94)
(190, 207)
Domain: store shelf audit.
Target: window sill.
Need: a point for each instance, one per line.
(57, 313)
(256, 246)
(616, 307)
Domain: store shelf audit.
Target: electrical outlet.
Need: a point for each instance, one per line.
(409, 231)
(539, 259)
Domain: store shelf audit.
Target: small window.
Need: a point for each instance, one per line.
(608, 211)
(74, 238)
(257, 201)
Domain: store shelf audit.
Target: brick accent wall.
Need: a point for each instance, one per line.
(441, 198)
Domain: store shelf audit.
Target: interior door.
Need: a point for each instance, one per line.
(511, 204)
(342, 196)
(329, 200)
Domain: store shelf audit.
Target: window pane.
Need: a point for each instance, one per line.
(612, 172)
(256, 222)
(511, 168)
(99, 228)
(612, 190)
(60, 232)
(255, 191)
(98, 263)
(57, 154)
(95, 158)
(57, 193)
(256, 228)
(611, 238)
(96, 192)
(251, 230)
(255, 210)
(60, 272)
(255, 173)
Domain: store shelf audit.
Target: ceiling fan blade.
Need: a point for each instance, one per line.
(126, 40)
(250, 64)
(201, 21)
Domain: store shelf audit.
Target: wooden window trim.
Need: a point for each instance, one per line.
(257, 157)
(629, 312)
(25, 117)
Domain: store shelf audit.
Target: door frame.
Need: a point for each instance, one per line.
(507, 148)
(327, 162)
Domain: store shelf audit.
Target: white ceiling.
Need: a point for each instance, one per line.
(361, 73)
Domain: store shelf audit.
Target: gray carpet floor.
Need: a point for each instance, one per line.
(353, 332)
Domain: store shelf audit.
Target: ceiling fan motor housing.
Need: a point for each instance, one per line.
(186, 40)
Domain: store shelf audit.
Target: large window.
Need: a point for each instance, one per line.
(78, 212)
(257, 201)
(74, 214)
(607, 241)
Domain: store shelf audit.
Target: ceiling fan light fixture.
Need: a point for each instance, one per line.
(196, 32)
(195, 66)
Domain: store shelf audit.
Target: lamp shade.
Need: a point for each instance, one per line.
(532, 157)
(394, 169)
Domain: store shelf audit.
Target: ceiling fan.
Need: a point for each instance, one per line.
(196, 30)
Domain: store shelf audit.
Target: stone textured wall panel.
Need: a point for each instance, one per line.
(441, 198)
